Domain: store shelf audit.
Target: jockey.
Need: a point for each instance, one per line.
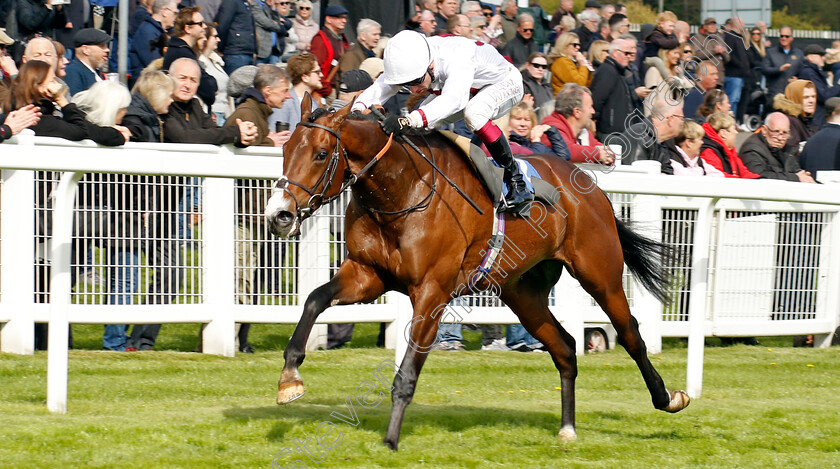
(466, 80)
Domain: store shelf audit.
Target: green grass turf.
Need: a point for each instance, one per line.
(766, 406)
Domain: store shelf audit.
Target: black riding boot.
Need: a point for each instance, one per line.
(518, 198)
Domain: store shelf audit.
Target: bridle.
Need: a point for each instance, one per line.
(316, 200)
(327, 177)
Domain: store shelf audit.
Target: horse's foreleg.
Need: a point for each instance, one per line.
(405, 382)
(353, 283)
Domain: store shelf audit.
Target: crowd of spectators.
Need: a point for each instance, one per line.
(211, 71)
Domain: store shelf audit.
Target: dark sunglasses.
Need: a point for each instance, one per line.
(542, 66)
(283, 3)
(528, 30)
(196, 23)
(417, 81)
(688, 51)
(304, 8)
(785, 35)
(489, 15)
(576, 44)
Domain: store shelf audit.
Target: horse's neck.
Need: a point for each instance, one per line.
(397, 179)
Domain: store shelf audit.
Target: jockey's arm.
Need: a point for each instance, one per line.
(453, 98)
(377, 93)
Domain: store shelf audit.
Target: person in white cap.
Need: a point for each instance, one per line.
(466, 80)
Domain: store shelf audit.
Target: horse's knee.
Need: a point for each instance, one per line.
(403, 390)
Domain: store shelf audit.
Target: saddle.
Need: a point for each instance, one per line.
(491, 176)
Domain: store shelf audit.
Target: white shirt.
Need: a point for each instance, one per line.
(461, 65)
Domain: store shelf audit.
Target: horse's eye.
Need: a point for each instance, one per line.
(321, 156)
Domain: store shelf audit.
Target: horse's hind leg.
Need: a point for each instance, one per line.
(532, 309)
(602, 280)
(353, 283)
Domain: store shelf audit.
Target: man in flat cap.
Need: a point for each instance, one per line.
(91, 47)
(329, 44)
(812, 70)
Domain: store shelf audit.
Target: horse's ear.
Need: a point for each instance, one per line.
(342, 113)
(305, 106)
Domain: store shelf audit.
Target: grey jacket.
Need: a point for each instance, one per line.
(268, 21)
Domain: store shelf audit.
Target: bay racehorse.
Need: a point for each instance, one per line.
(409, 231)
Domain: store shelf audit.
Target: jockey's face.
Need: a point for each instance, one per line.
(425, 83)
(423, 86)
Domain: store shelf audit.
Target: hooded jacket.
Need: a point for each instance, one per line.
(141, 119)
(809, 71)
(801, 126)
(252, 107)
(715, 152)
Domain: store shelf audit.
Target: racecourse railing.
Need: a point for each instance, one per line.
(751, 257)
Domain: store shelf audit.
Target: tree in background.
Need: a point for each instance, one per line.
(812, 14)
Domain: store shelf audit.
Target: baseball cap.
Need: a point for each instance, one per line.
(354, 80)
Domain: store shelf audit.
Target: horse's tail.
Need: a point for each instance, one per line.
(644, 257)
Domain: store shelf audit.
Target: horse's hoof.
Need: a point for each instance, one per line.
(391, 444)
(679, 401)
(288, 392)
(567, 434)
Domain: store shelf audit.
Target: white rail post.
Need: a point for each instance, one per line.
(314, 265)
(697, 301)
(830, 241)
(17, 270)
(60, 289)
(220, 333)
(568, 309)
(395, 333)
(647, 212)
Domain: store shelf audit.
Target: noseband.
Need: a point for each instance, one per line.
(316, 200)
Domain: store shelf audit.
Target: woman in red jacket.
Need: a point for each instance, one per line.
(718, 147)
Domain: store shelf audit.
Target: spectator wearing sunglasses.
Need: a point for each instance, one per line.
(523, 44)
(610, 92)
(535, 84)
(781, 62)
(271, 27)
(304, 25)
(569, 65)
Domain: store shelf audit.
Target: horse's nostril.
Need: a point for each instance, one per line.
(285, 218)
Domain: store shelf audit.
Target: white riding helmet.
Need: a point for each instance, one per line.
(407, 57)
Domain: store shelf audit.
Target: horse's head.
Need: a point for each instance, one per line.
(314, 170)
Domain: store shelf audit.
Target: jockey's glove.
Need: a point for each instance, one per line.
(394, 124)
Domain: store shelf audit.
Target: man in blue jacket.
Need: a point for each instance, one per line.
(91, 46)
(237, 34)
(150, 38)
